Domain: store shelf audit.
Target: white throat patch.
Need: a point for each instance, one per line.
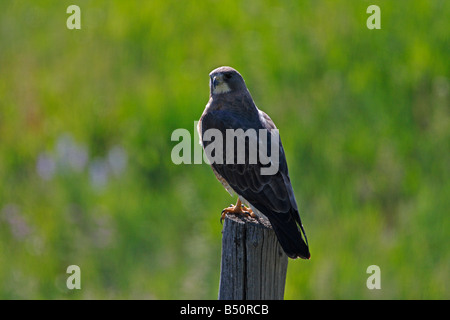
(221, 88)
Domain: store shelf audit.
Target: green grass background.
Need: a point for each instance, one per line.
(86, 118)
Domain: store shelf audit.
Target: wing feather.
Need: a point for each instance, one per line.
(272, 195)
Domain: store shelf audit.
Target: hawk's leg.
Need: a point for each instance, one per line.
(238, 209)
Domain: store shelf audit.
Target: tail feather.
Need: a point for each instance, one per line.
(290, 237)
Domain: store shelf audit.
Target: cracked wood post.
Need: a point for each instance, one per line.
(253, 265)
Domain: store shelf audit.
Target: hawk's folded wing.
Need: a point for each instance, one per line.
(272, 195)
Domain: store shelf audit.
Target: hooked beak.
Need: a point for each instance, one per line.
(218, 84)
(216, 80)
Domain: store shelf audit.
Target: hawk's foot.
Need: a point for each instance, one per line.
(238, 209)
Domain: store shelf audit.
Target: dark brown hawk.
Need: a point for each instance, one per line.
(231, 106)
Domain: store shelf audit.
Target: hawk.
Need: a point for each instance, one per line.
(231, 106)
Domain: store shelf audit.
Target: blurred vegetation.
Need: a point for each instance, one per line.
(86, 118)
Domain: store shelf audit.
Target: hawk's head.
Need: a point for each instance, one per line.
(226, 79)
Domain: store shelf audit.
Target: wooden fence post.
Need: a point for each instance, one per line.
(253, 265)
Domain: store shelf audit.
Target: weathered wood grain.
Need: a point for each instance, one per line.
(253, 265)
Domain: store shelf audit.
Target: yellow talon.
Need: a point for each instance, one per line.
(238, 209)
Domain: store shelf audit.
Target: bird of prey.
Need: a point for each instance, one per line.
(231, 106)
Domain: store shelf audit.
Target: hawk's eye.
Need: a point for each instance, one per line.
(227, 75)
